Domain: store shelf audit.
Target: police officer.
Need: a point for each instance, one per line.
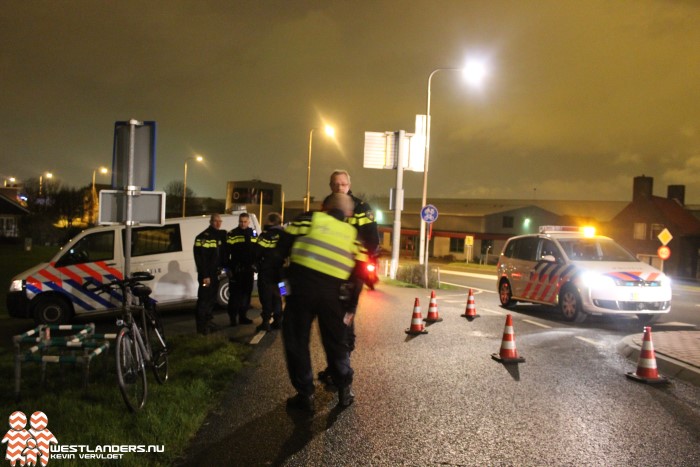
(269, 262)
(362, 219)
(239, 254)
(324, 255)
(208, 253)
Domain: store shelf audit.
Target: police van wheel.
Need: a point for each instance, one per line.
(570, 305)
(223, 293)
(505, 294)
(52, 310)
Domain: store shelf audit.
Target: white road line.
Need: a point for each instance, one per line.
(493, 312)
(257, 338)
(589, 341)
(537, 324)
(469, 274)
(467, 287)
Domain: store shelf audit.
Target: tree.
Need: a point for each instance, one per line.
(173, 197)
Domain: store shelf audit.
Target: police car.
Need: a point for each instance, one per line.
(582, 274)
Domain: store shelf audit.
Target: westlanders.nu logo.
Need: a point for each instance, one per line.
(29, 447)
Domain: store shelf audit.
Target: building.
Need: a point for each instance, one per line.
(257, 196)
(11, 211)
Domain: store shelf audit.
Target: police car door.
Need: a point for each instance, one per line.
(522, 264)
(543, 281)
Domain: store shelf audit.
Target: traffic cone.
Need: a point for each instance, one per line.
(433, 316)
(470, 312)
(646, 366)
(417, 324)
(508, 353)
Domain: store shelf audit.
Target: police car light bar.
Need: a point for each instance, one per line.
(587, 231)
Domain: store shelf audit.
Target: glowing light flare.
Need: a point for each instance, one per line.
(475, 72)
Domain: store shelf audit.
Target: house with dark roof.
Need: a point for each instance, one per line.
(10, 213)
(639, 224)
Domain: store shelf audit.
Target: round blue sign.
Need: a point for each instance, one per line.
(429, 213)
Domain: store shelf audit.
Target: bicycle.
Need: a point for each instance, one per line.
(138, 344)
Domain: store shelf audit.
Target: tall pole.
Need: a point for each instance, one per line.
(184, 189)
(307, 205)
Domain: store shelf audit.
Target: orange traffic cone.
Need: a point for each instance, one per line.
(508, 353)
(470, 312)
(433, 316)
(646, 366)
(417, 324)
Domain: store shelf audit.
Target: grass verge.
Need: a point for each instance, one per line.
(200, 369)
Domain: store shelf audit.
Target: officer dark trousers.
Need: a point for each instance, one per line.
(270, 299)
(206, 301)
(240, 288)
(314, 294)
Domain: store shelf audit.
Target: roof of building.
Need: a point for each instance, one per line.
(11, 206)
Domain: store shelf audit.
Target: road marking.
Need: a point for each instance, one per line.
(537, 324)
(467, 287)
(469, 274)
(257, 338)
(590, 341)
(494, 312)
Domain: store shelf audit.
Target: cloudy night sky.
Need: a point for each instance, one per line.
(580, 96)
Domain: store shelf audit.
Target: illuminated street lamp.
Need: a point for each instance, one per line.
(95, 202)
(49, 175)
(184, 184)
(12, 181)
(474, 73)
(330, 131)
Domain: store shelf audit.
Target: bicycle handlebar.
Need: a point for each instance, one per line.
(92, 285)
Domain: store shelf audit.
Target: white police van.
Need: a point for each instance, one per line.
(581, 273)
(52, 292)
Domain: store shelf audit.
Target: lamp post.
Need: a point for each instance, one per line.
(330, 131)
(41, 181)
(474, 72)
(184, 184)
(102, 170)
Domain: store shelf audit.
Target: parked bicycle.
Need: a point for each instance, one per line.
(139, 343)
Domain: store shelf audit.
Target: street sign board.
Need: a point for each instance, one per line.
(148, 208)
(664, 252)
(665, 237)
(144, 173)
(429, 213)
(382, 151)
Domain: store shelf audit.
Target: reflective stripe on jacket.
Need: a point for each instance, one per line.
(330, 246)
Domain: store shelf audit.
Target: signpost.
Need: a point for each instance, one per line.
(664, 251)
(429, 214)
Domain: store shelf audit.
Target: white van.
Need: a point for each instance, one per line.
(52, 292)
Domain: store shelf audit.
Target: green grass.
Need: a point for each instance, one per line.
(200, 369)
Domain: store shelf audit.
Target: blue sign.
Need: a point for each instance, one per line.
(429, 213)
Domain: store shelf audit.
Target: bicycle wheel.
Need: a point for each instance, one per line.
(131, 374)
(157, 346)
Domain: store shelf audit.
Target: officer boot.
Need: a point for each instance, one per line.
(243, 319)
(264, 326)
(345, 396)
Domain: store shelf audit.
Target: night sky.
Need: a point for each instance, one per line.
(580, 97)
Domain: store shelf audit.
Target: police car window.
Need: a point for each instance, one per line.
(548, 248)
(97, 246)
(155, 240)
(526, 248)
(595, 249)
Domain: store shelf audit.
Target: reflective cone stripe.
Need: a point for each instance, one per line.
(508, 352)
(646, 366)
(417, 324)
(470, 312)
(433, 315)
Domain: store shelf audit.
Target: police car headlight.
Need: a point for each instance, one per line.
(16, 285)
(665, 280)
(594, 280)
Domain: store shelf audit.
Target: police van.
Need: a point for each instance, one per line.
(52, 292)
(582, 274)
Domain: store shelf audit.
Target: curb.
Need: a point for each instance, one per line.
(667, 365)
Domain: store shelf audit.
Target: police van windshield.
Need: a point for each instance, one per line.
(595, 249)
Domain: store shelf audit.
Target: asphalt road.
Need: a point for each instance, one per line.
(439, 398)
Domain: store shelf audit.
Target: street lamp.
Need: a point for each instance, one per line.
(102, 170)
(41, 180)
(184, 184)
(330, 131)
(474, 73)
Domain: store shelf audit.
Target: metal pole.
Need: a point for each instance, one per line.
(308, 174)
(130, 193)
(184, 189)
(398, 207)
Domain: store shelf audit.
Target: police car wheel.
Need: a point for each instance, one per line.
(51, 310)
(570, 305)
(505, 294)
(223, 293)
